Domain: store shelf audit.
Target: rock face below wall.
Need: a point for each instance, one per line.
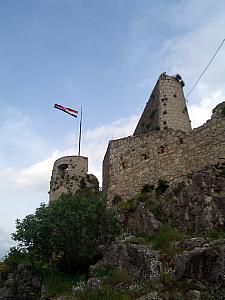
(198, 205)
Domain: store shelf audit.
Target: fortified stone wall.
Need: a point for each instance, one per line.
(70, 174)
(171, 155)
(166, 107)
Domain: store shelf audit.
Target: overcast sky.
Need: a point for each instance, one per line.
(105, 55)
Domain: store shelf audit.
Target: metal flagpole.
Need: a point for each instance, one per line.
(80, 130)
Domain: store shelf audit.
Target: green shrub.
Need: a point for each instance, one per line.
(74, 228)
(128, 206)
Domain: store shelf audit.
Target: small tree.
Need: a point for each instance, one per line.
(74, 229)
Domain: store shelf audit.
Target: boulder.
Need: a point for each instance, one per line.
(198, 204)
(197, 264)
(138, 260)
(140, 221)
(150, 296)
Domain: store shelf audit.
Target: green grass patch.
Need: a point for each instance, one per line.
(113, 275)
(110, 293)
(217, 234)
(165, 240)
(58, 284)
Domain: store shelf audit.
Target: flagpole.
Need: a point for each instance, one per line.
(80, 131)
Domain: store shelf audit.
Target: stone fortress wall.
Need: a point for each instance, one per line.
(69, 174)
(167, 154)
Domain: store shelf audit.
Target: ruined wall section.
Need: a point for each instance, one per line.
(70, 174)
(171, 155)
(166, 108)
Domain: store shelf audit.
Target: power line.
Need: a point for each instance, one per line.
(206, 67)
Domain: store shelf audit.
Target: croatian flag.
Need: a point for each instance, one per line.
(67, 110)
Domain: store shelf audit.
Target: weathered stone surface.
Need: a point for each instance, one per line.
(193, 295)
(69, 174)
(200, 205)
(23, 284)
(138, 260)
(198, 263)
(141, 221)
(7, 294)
(171, 155)
(150, 296)
(94, 283)
(166, 107)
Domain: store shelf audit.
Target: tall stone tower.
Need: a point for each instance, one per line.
(166, 107)
(69, 174)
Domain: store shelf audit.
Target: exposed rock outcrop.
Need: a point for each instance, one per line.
(198, 205)
(138, 260)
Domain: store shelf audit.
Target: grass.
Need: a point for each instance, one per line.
(216, 234)
(113, 275)
(108, 292)
(58, 284)
(165, 240)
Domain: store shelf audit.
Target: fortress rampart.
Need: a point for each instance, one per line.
(170, 154)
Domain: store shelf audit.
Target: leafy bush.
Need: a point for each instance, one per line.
(73, 228)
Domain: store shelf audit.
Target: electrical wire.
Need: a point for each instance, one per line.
(205, 68)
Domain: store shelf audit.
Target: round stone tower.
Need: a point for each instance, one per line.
(166, 107)
(69, 174)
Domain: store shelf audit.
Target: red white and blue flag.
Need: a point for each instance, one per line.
(67, 110)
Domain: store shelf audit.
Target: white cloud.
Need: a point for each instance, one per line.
(5, 242)
(94, 144)
(200, 113)
(37, 176)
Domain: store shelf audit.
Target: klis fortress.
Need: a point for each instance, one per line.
(163, 147)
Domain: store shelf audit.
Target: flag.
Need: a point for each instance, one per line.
(67, 110)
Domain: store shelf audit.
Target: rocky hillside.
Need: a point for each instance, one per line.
(172, 246)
